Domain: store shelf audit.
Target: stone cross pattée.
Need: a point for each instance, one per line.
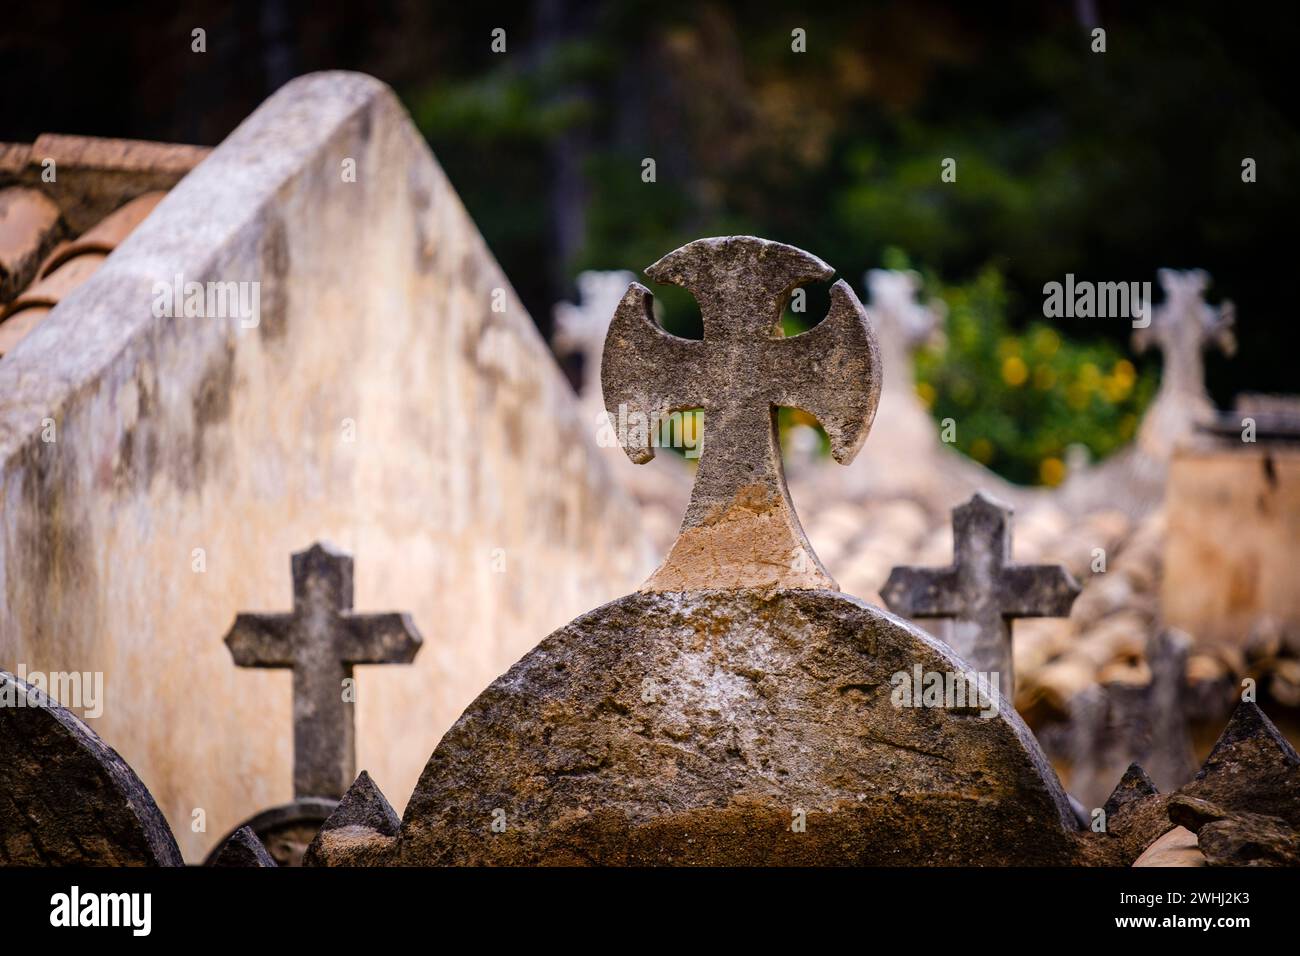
(740, 529)
(982, 590)
(321, 640)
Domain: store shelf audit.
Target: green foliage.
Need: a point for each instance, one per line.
(1107, 166)
(1019, 400)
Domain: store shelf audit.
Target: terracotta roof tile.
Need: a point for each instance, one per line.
(104, 236)
(14, 157)
(95, 175)
(15, 329)
(53, 288)
(29, 223)
(32, 306)
(125, 155)
(105, 188)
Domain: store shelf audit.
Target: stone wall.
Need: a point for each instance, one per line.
(379, 403)
(1233, 524)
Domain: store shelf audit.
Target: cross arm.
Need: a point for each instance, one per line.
(378, 638)
(644, 371)
(1036, 590)
(261, 640)
(922, 592)
(833, 372)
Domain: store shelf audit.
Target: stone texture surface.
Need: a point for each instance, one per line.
(1227, 838)
(740, 529)
(66, 798)
(692, 728)
(472, 495)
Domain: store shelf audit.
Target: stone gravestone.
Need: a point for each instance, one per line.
(737, 709)
(982, 590)
(66, 797)
(321, 640)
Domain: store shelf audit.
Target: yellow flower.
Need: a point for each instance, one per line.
(1116, 387)
(925, 391)
(1046, 342)
(1014, 371)
(981, 449)
(1051, 471)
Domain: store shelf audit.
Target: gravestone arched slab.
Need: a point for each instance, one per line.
(733, 728)
(738, 709)
(67, 798)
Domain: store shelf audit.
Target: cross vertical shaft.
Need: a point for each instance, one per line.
(982, 591)
(321, 641)
(740, 529)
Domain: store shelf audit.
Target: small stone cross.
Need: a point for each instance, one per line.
(740, 529)
(982, 590)
(320, 641)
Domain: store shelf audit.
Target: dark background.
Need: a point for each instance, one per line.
(1105, 165)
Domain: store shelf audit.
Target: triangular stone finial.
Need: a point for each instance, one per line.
(359, 831)
(242, 849)
(1134, 785)
(1251, 768)
(1249, 732)
(740, 529)
(364, 805)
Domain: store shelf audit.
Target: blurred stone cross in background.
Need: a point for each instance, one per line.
(982, 590)
(320, 641)
(740, 529)
(1182, 327)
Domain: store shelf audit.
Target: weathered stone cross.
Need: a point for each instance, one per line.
(982, 590)
(321, 640)
(1183, 327)
(740, 529)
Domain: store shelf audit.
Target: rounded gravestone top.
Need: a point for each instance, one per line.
(733, 727)
(68, 799)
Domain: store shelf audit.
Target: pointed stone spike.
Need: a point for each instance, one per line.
(241, 849)
(1249, 729)
(1134, 785)
(359, 831)
(1252, 768)
(364, 806)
